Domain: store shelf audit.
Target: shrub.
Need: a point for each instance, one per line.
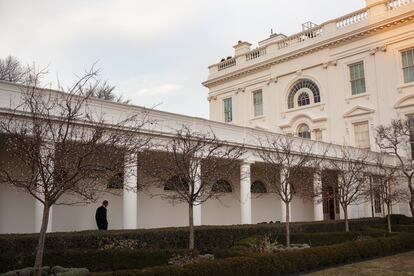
(288, 262)
(94, 260)
(207, 237)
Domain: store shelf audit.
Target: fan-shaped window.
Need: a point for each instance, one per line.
(258, 187)
(300, 85)
(175, 183)
(116, 181)
(304, 131)
(303, 99)
(221, 186)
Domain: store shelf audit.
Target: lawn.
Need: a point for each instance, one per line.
(401, 264)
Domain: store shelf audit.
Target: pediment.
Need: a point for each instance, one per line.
(405, 102)
(303, 117)
(358, 111)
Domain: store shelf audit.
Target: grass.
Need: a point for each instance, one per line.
(401, 264)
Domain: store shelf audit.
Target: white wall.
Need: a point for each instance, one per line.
(266, 208)
(302, 209)
(16, 211)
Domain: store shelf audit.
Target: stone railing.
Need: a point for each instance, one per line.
(326, 29)
(226, 64)
(300, 37)
(395, 4)
(256, 53)
(352, 18)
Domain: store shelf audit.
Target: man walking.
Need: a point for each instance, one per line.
(100, 216)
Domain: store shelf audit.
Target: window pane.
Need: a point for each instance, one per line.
(408, 65)
(361, 133)
(228, 115)
(357, 76)
(258, 103)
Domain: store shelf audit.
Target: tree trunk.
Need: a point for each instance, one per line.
(191, 224)
(287, 224)
(41, 242)
(389, 218)
(346, 218)
(410, 187)
(372, 202)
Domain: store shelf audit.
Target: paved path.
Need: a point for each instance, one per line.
(401, 264)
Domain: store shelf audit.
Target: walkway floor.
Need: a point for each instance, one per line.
(401, 264)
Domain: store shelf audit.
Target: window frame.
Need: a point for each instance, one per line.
(255, 105)
(301, 132)
(354, 125)
(228, 114)
(408, 67)
(300, 100)
(354, 81)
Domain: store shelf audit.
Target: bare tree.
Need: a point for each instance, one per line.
(103, 90)
(288, 167)
(397, 139)
(193, 163)
(66, 147)
(385, 185)
(12, 70)
(351, 166)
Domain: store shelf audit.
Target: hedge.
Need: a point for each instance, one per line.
(94, 260)
(287, 262)
(102, 260)
(207, 238)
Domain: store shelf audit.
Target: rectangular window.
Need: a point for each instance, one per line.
(228, 110)
(357, 75)
(361, 133)
(377, 201)
(408, 65)
(318, 134)
(258, 103)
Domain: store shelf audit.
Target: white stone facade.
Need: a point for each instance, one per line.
(375, 37)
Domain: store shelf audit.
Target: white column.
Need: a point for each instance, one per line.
(130, 192)
(318, 199)
(282, 203)
(197, 208)
(245, 194)
(47, 153)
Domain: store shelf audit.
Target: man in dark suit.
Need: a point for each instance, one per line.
(100, 216)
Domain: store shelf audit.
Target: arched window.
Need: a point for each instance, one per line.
(303, 99)
(175, 183)
(258, 187)
(300, 85)
(304, 131)
(221, 186)
(116, 181)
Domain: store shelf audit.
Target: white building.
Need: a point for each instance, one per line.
(334, 82)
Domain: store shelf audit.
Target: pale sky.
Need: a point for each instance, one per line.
(156, 52)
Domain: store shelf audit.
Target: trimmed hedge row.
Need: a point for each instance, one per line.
(207, 237)
(102, 260)
(287, 262)
(94, 260)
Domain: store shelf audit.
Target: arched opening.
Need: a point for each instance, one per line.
(303, 99)
(304, 131)
(221, 186)
(258, 187)
(175, 183)
(302, 86)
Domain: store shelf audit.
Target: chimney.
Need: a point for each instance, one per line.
(241, 48)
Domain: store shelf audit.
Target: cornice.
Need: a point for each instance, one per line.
(334, 41)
